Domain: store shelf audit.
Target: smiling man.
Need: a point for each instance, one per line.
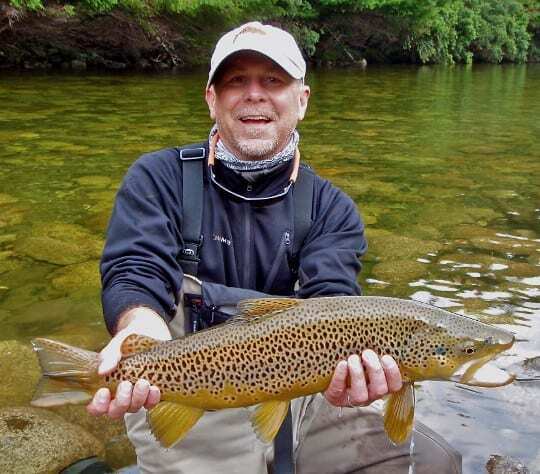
(195, 229)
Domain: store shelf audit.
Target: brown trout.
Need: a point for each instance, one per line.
(278, 349)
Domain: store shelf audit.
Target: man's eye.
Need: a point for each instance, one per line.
(273, 80)
(236, 80)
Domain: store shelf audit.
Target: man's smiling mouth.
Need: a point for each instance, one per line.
(255, 119)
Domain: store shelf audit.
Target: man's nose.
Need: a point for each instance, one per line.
(255, 91)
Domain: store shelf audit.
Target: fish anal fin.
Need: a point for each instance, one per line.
(136, 343)
(258, 307)
(170, 422)
(399, 414)
(267, 419)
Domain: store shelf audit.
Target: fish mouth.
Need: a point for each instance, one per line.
(482, 373)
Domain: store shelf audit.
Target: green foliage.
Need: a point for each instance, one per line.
(31, 5)
(307, 38)
(445, 31)
(100, 6)
(69, 10)
(458, 31)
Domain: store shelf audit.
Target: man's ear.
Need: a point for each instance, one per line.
(303, 100)
(210, 97)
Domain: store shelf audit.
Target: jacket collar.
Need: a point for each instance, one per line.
(274, 183)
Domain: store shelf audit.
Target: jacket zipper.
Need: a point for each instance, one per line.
(247, 228)
(285, 242)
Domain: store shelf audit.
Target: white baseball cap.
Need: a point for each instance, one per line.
(276, 44)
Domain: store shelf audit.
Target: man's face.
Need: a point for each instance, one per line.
(256, 105)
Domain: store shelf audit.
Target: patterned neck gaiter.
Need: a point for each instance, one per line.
(231, 161)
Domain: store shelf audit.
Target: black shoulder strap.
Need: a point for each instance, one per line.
(303, 202)
(192, 161)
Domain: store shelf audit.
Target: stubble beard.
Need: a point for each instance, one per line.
(255, 147)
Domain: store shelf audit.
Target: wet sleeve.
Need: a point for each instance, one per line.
(329, 260)
(138, 265)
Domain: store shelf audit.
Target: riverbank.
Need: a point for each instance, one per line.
(60, 36)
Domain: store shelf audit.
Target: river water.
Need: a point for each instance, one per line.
(443, 162)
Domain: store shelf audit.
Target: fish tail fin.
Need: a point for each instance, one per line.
(69, 374)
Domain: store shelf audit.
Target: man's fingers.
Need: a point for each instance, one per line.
(121, 403)
(358, 392)
(154, 395)
(139, 396)
(393, 375)
(338, 384)
(377, 386)
(100, 403)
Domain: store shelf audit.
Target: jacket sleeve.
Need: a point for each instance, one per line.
(329, 259)
(138, 265)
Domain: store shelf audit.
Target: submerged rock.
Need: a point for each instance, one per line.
(7, 239)
(498, 464)
(119, 452)
(7, 199)
(99, 220)
(61, 244)
(390, 246)
(38, 441)
(94, 181)
(102, 428)
(19, 372)
(11, 216)
(9, 265)
(82, 307)
(398, 271)
(79, 275)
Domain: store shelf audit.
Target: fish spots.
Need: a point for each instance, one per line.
(294, 352)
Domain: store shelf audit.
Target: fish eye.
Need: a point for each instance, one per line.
(468, 348)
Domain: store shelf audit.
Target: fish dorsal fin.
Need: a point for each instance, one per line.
(261, 307)
(399, 414)
(170, 422)
(136, 343)
(267, 419)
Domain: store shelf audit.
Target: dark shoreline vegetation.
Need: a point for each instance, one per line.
(165, 34)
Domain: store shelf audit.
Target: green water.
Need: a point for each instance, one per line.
(443, 163)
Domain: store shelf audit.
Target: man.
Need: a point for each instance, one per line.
(256, 95)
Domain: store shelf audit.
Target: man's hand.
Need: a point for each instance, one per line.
(129, 398)
(369, 377)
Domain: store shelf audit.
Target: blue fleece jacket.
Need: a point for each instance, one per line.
(247, 245)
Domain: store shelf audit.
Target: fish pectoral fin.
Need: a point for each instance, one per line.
(399, 414)
(260, 307)
(170, 422)
(136, 343)
(267, 419)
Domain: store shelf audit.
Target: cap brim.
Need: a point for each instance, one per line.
(283, 61)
